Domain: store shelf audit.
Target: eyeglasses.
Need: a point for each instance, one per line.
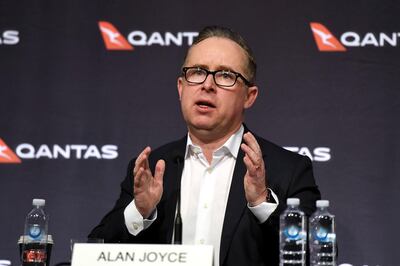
(222, 78)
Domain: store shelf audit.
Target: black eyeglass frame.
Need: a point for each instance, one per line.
(238, 75)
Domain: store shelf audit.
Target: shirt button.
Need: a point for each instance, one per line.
(205, 205)
(201, 241)
(135, 226)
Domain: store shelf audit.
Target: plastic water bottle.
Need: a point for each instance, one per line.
(322, 236)
(292, 235)
(34, 244)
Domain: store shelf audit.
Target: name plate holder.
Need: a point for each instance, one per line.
(134, 254)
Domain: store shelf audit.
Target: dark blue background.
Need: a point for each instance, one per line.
(59, 85)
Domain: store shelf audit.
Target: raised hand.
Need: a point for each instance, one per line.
(147, 188)
(255, 179)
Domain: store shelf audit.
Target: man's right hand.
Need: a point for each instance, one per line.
(147, 188)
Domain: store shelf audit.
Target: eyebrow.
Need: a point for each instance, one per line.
(219, 67)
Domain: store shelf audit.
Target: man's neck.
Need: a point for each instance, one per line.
(210, 142)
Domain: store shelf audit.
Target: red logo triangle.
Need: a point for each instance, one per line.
(325, 40)
(113, 39)
(7, 155)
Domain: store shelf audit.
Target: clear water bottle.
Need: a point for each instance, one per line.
(292, 235)
(35, 236)
(322, 236)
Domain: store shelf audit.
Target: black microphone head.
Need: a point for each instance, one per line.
(177, 156)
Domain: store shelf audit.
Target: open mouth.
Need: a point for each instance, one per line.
(205, 104)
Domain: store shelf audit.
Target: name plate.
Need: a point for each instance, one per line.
(133, 254)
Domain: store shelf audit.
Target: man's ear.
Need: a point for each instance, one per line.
(179, 86)
(252, 93)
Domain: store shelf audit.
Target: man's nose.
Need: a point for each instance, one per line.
(209, 83)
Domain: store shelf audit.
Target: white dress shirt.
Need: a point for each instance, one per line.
(204, 195)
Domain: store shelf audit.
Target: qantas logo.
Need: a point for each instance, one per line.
(327, 42)
(114, 40)
(68, 151)
(7, 155)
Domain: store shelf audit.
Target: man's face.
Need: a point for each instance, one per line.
(209, 110)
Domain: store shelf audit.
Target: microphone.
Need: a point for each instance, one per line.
(178, 159)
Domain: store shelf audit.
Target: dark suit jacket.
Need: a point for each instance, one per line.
(244, 240)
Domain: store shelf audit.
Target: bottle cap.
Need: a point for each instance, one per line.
(38, 202)
(293, 201)
(322, 203)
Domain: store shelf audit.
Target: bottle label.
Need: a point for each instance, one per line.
(322, 234)
(35, 231)
(34, 255)
(294, 232)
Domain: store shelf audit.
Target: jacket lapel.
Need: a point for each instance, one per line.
(235, 207)
(172, 178)
(237, 202)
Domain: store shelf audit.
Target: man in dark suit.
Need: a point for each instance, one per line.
(233, 185)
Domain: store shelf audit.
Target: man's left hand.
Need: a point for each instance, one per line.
(255, 180)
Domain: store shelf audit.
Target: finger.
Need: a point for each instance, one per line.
(159, 172)
(254, 150)
(140, 160)
(146, 162)
(251, 168)
(145, 151)
(148, 174)
(138, 178)
(146, 177)
(145, 158)
(251, 141)
(255, 158)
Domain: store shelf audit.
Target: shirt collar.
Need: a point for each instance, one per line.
(231, 146)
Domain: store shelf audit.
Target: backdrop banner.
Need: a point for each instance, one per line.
(86, 85)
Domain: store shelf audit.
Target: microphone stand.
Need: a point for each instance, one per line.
(178, 218)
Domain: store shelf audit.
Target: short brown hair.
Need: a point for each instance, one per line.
(223, 32)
